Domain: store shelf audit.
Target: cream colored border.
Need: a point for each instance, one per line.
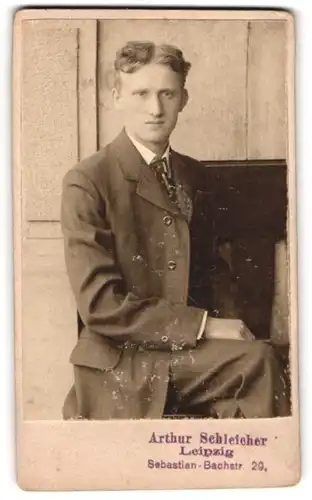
(57, 455)
(151, 14)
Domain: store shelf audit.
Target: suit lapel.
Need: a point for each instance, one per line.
(183, 179)
(151, 190)
(134, 168)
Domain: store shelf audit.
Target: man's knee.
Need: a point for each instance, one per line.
(262, 351)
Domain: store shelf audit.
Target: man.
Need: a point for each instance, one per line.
(130, 250)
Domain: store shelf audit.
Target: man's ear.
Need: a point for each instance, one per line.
(184, 100)
(116, 98)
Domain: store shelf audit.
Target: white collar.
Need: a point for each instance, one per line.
(146, 153)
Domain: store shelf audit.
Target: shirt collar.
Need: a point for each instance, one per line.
(146, 153)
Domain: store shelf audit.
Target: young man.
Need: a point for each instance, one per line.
(126, 218)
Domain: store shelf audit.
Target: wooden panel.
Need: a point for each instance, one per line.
(267, 112)
(59, 123)
(280, 315)
(49, 115)
(87, 81)
(43, 230)
(49, 329)
(213, 123)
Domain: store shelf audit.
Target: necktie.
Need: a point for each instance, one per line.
(175, 190)
(164, 176)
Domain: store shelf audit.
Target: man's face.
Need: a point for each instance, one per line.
(150, 99)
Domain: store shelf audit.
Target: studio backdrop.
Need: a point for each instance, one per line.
(237, 111)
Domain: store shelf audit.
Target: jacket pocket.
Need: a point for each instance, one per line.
(95, 354)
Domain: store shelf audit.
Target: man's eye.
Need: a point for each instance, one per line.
(168, 94)
(141, 93)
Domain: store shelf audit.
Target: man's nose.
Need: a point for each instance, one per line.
(155, 107)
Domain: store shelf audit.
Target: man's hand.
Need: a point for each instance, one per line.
(227, 329)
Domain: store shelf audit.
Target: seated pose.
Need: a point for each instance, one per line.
(126, 217)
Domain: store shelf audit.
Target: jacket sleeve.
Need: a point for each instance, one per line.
(103, 302)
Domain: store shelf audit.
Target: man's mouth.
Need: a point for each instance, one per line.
(160, 122)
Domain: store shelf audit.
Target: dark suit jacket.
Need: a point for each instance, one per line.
(127, 251)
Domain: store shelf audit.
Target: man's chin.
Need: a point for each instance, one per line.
(156, 137)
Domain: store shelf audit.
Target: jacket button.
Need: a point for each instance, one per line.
(172, 265)
(164, 338)
(167, 220)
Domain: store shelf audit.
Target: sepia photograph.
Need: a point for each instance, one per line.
(155, 242)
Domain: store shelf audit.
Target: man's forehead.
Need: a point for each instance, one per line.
(152, 75)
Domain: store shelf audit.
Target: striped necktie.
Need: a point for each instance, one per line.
(164, 175)
(175, 190)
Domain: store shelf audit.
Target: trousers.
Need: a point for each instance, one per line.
(217, 379)
(230, 379)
